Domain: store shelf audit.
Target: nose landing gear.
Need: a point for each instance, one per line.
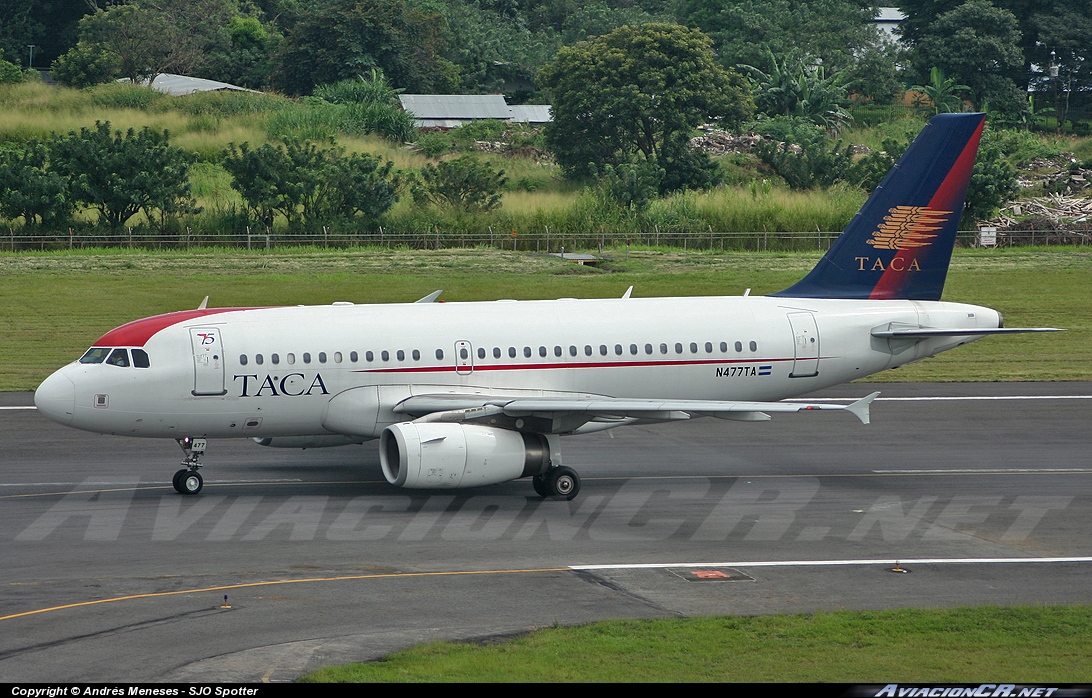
(188, 480)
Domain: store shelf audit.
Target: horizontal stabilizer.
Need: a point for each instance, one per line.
(430, 298)
(925, 332)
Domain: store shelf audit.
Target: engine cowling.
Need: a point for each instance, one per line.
(420, 455)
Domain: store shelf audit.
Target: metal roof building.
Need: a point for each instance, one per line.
(451, 111)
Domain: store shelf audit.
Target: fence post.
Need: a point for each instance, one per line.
(325, 238)
(70, 238)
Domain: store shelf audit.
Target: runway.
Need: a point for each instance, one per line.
(980, 491)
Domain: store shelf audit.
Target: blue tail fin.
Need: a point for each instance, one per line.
(900, 243)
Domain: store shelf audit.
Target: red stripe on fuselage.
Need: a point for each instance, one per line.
(138, 332)
(947, 195)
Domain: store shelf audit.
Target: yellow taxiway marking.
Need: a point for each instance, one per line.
(227, 587)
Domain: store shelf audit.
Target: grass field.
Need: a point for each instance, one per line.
(54, 305)
(1036, 645)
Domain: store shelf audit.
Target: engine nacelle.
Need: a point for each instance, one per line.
(420, 455)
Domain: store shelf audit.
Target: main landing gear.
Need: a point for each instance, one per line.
(188, 480)
(559, 482)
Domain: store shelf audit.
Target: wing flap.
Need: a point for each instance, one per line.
(594, 407)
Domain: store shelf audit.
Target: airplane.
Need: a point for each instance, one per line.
(478, 393)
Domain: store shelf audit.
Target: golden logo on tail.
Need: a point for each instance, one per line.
(908, 227)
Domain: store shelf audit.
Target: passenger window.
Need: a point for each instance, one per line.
(462, 353)
(693, 347)
(511, 352)
(648, 349)
(385, 355)
(678, 347)
(708, 347)
(527, 352)
(739, 346)
(663, 348)
(633, 349)
(724, 347)
(401, 355)
(496, 352)
(572, 350)
(322, 357)
(95, 355)
(369, 356)
(290, 357)
(439, 354)
(618, 349)
(354, 357)
(337, 357)
(275, 358)
(416, 355)
(242, 360)
(140, 358)
(542, 351)
(557, 351)
(306, 357)
(481, 352)
(119, 357)
(258, 359)
(602, 349)
(754, 346)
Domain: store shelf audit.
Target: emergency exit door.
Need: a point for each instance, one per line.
(805, 345)
(208, 361)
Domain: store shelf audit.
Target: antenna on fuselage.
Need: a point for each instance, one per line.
(204, 304)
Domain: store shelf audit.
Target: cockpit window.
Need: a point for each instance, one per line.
(119, 357)
(95, 355)
(140, 358)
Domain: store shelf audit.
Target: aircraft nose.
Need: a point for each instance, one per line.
(56, 398)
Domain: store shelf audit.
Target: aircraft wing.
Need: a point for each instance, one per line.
(569, 414)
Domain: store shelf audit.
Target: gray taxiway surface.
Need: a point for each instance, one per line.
(108, 575)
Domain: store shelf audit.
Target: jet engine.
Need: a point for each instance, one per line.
(420, 455)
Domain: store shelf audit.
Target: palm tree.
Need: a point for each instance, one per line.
(942, 92)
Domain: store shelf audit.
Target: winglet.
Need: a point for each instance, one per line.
(430, 297)
(204, 304)
(627, 293)
(859, 409)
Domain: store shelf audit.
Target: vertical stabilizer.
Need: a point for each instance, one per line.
(900, 243)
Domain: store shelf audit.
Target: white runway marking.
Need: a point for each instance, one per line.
(939, 399)
(990, 470)
(837, 563)
(150, 483)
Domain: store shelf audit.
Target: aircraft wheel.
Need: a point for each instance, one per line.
(542, 488)
(177, 480)
(188, 482)
(563, 482)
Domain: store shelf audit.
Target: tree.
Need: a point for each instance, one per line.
(743, 31)
(120, 174)
(28, 188)
(341, 39)
(641, 90)
(800, 87)
(978, 44)
(309, 185)
(464, 183)
(943, 92)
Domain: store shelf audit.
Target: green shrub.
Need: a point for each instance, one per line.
(464, 183)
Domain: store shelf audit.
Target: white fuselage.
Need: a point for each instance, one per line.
(274, 372)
